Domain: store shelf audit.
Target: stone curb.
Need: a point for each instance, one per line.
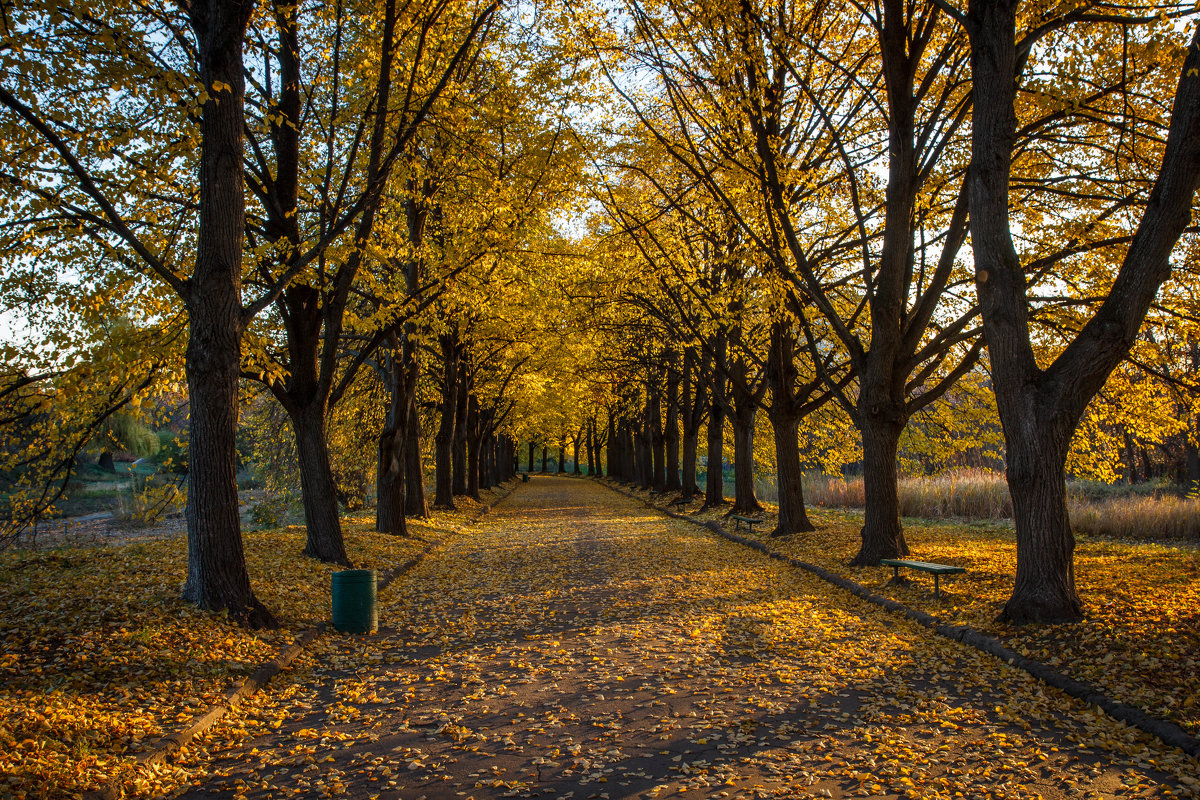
(172, 743)
(1167, 732)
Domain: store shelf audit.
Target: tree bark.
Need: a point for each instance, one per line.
(317, 487)
(692, 404)
(657, 440)
(444, 439)
(414, 480)
(793, 516)
(671, 432)
(614, 460)
(390, 480)
(745, 500)
(1044, 586)
(786, 413)
(474, 447)
(714, 483)
(882, 536)
(590, 444)
(217, 579)
(459, 475)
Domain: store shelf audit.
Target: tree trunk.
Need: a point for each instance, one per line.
(630, 452)
(575, 442)
(531, 455)
(105, 462)
(444, 439)
(692, 406)
(657, 441)
(414, 467)
(443, 467)
(217, 578)
(882, 536)
(545, 458)
(474, 448)
(714, 483)
(786, 413)
(317, 486)
(614, 461)
(390, 477)
(671, 433)
(459, 476)
(745, 501)
(690, 461)
(1044, 587)
(493, 462)
(793, 516)
(562, 457)
(589, 443)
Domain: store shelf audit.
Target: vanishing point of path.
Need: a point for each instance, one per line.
(575, 644)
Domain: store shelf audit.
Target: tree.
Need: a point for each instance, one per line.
(108, 119)
(1041, 402)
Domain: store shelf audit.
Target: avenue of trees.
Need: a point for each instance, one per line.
(464, 235)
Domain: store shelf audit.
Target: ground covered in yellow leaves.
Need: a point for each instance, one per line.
(1139, 643)
(100, 658)
(576, 644)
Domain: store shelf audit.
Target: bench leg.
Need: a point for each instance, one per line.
(895, 574)
(936, 593)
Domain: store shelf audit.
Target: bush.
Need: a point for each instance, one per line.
(145, 503)
(271, 513)
(172, 451)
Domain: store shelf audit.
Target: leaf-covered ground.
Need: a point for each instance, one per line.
(576, 644)
(1139, 642)
(99, 657)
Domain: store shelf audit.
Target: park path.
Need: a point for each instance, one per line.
(576, 644)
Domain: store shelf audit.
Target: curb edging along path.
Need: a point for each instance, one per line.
(1167, 732)
(173, 742)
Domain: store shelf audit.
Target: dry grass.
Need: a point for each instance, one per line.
(981, 495)
(1140, 518)
(968, 494)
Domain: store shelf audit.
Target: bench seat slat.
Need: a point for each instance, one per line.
(925, 566)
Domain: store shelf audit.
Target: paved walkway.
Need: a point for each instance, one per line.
(575, 644)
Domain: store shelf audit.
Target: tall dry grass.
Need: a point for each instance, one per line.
(1140, 518)
(974, 494)
(978, 494)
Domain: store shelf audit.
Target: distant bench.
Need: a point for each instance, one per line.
(749, 522)
(938, 570)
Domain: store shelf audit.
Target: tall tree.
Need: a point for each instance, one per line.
(1040, 403)
(101, 111)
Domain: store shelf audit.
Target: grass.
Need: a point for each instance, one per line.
(1146, 513)
(100, 657)
(1139, 641)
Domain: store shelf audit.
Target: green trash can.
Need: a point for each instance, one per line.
(355, 609)
(524, 477)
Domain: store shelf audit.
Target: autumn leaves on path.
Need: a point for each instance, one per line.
(575, 644)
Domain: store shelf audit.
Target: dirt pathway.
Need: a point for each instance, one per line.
(578, 645)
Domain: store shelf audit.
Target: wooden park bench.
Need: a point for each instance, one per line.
(937, 569)
(750, 522)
